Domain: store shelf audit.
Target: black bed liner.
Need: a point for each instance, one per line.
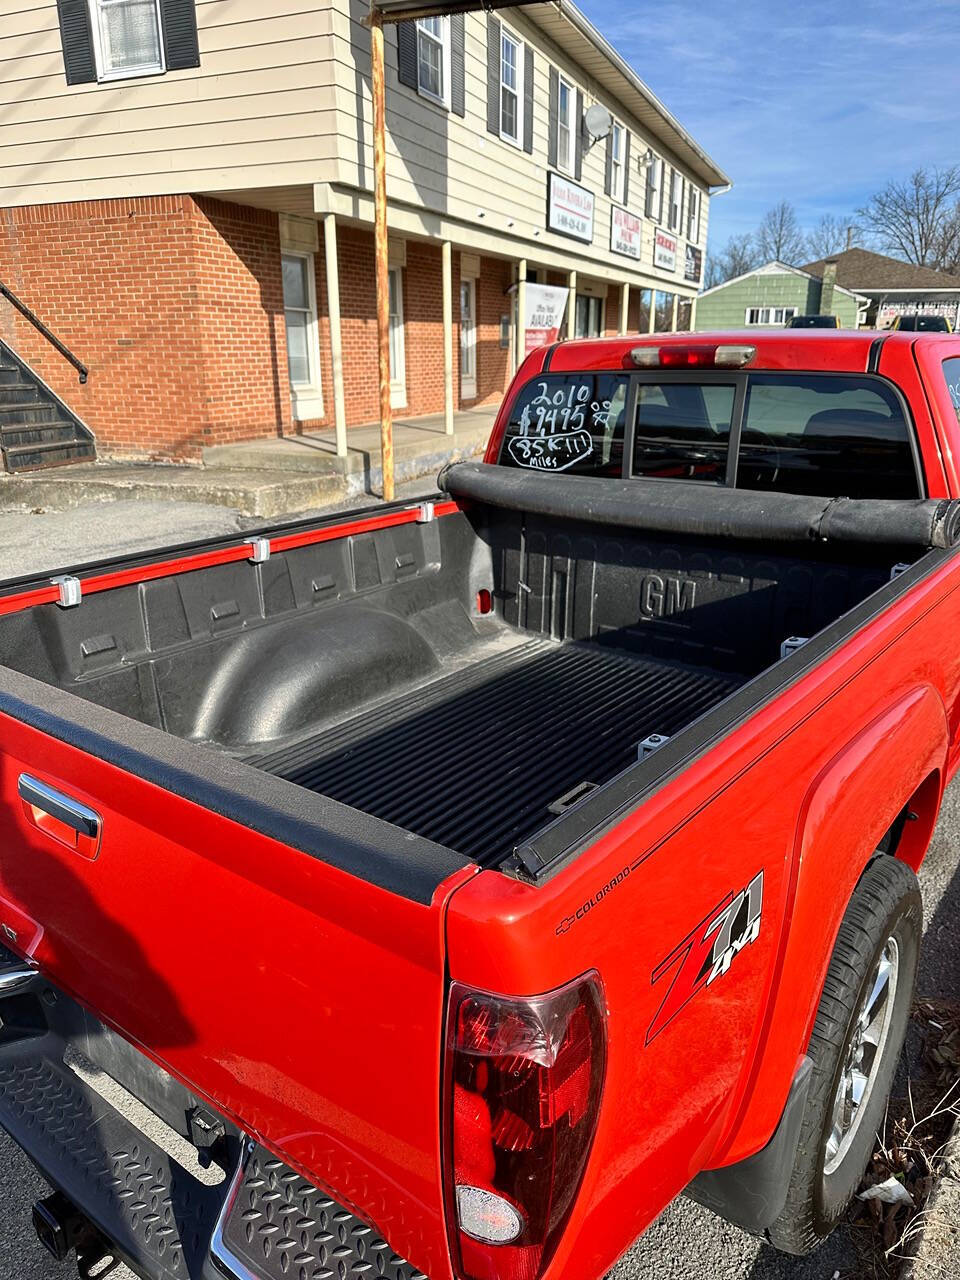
(474, 760)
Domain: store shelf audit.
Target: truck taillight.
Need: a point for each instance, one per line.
(524, 1078)
(694, 355)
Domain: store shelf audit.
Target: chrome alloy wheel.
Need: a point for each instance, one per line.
(868, 1042)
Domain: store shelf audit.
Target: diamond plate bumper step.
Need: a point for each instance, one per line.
(265, 1223)
(277, 1225)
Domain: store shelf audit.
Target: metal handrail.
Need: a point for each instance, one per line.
(42, 329)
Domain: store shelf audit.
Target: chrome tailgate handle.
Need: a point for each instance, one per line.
(64, 819)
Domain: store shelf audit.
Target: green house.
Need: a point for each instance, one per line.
(771, 294)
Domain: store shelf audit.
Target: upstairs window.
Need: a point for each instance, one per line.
(653, 207)
(433, 59)
(511, 78)
(675, 201)
(617, 166)
(693, 214)
(127, 38)
(565, 145)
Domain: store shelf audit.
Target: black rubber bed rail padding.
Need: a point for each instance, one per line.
(679, 507)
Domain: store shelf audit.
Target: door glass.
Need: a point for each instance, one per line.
(397, 367)
(587, 318)
(300, 318)
(468, 348)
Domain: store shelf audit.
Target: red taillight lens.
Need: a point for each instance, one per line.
(524, 1079)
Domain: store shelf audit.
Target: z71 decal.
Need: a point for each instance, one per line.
(708, 952)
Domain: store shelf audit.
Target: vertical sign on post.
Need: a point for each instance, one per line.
(544, 306)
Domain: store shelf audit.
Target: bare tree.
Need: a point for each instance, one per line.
(736, 258)
(829, 236)
(918, 219)
(779, 236)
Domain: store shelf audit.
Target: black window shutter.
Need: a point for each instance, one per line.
(554, 118)
(407, 53)
(626, 165)
(608, 171)
(578, 137)
(181, 48)
(458, 104)
(493, 74)
(79, 62)
(528, 99)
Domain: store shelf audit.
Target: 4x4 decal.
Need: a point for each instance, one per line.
(707, 952)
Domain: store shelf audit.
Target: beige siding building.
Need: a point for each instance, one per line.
(215, 156)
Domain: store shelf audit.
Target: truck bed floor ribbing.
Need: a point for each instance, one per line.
(473, 760)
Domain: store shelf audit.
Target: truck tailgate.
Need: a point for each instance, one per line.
(304, 1003)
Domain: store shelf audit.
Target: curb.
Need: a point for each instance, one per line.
(940, 1234)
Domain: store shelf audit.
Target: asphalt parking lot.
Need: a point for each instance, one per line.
(687, 1242)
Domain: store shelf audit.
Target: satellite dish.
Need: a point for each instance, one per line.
(598, 121)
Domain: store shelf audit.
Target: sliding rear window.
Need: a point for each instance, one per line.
(682, 429)
(568, 422)
(825, 436)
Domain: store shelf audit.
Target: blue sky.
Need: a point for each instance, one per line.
(818, 103)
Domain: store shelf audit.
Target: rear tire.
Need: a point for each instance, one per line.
(856, 1042)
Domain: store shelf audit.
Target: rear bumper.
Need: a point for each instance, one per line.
(261, 1222)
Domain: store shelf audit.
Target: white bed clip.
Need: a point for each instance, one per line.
(260, 549)
(71, 591)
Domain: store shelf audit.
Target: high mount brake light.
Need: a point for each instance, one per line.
(694, 355)
(523, 1085)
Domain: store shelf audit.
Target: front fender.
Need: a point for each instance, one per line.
(848, 809)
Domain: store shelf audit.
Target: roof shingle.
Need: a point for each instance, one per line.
(860, 269)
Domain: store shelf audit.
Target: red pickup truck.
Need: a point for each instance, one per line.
(440, 889)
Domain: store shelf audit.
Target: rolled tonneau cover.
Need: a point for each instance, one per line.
(676, 506)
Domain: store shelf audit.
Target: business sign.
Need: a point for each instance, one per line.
(569, 208)
(625, 233)
(543, 314)
(664, 250)
(693, 265)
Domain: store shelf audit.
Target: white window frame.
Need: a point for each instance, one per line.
(307, 397)
(618, 167)
(443, 98)
(674, 201)
(653, 195)
(398, 371)
(507, 34)
(769, 316)
(694, 204)
(129, 73)
(566, 163)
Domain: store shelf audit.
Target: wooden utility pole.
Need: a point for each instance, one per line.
(380, 247)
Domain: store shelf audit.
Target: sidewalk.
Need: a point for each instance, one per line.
(268, 478)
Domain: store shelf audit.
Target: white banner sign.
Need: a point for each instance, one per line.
(543, 314)
(569, 208)
(625, 233)
(664, 250)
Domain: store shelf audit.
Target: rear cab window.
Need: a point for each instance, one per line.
(817, 434)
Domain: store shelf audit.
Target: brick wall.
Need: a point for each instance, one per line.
(176, 306)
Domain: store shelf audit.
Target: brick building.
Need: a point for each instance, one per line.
(186, 201)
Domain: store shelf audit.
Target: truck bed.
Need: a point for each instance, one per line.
(480, 759)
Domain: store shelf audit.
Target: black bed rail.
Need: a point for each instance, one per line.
(42, 329)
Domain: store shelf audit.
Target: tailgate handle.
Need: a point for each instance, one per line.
(60, 816)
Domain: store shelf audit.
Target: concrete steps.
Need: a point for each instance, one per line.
(37, 429)
(268, 494)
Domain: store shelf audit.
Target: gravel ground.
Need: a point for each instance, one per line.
(687, 1242)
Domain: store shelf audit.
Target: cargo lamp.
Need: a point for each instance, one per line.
(694, 355)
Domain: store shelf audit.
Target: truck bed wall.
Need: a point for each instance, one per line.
(724, 605)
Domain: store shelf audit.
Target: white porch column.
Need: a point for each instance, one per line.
(521, 308)
(673, 314)
(447, 259)
(572, 306)
(624, 308)
(652, 320)
(693, 312)
(336, 345)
